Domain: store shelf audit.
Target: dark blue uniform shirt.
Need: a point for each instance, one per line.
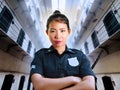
(72, 62)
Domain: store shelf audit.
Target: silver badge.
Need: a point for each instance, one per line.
(73, 61)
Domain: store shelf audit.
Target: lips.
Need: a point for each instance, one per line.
(57, 42)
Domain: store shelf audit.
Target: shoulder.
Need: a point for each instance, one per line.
(42, 51)
(76, 51)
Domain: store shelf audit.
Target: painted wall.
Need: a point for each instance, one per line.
(9, 63)
(109, 64)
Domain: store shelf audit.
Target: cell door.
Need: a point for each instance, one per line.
(7, 83)
(107, 83)
(22, 80)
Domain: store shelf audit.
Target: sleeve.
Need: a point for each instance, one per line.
(37, 65)
(85, 68)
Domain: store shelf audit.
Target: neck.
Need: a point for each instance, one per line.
(60, 49)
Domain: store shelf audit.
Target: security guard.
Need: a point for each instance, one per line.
(59, 67)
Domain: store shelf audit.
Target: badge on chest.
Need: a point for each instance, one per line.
(73, 61)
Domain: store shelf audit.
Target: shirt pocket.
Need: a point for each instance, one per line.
(72, 70)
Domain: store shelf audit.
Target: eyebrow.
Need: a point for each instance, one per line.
(52, 29)
(55, 29)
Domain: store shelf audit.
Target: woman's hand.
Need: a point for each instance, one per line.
(86, 83)
(75, 80)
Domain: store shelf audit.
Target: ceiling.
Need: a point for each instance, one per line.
(42, 9)
(70, 8)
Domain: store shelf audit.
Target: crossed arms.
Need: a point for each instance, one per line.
(65, 83)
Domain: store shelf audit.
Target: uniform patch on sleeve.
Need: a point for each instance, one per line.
(73, 61)
(33, 66)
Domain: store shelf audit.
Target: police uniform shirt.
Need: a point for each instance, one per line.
(49, 63)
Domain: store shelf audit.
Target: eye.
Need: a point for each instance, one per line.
(62, 30)
(52, 30)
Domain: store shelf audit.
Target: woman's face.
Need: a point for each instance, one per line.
(58, 33)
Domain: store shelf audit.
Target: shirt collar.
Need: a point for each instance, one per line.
(51, 49)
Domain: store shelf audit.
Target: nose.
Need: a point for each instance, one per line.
(58, 35)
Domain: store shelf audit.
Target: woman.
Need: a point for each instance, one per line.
(59, 67)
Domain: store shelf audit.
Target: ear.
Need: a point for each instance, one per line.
(69, 31)
(47, 32)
